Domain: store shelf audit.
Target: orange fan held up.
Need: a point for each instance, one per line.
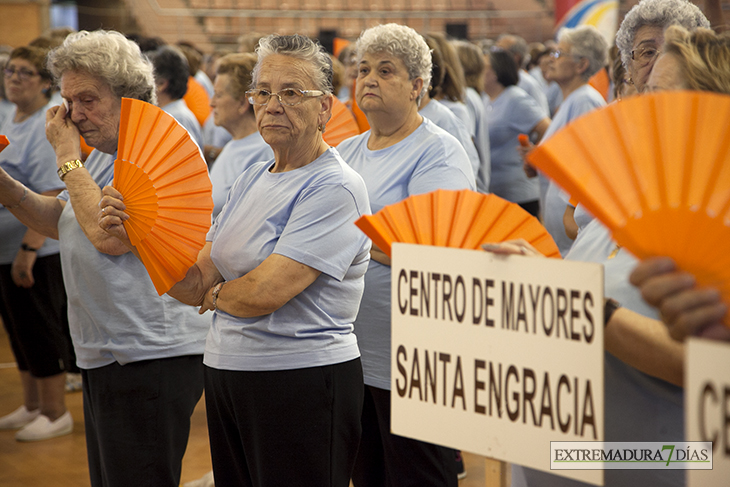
(167, 191)
(3, 142)
(461, 219)
(655, 169)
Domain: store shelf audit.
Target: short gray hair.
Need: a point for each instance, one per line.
(110, 56)
(518, 45)
(657, 13)
(299, 47)
(588, 43)
(403, 43)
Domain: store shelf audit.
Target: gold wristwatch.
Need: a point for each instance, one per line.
(69, 166)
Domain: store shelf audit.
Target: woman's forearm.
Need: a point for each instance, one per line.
(645, 344)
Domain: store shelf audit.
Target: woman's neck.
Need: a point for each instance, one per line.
(243, 127)
(291, 158)
(494, 91)
(25, 110)
(387, 130)
(570, 86)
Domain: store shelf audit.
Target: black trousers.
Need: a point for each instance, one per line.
(137, 419)
(288, 428)
(36, 319)
(388, 460)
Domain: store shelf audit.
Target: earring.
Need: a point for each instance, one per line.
(320, 127)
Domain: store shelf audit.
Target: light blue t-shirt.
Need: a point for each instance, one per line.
(179, 109)
(462, 113)
(29, 159)
(512, 113)
(307, 215)
(426, 160)
(6, 109)
(638, 407)
(114, 312)
(481, 138)
(532, 88)
(236, 157)
(553, 200)
(440, 115)
(552, 90)
(215, 135)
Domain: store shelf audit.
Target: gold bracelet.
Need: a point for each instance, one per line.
(22, 198)
(69, 166)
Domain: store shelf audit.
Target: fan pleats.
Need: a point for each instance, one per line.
(167, 191)
(460, 219)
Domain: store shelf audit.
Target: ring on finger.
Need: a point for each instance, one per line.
(103, 210)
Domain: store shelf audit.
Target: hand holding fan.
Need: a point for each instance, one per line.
(655, 169)
(167, 191)
(462, 219)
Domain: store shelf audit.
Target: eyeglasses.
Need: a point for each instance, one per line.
(645, 55)
(23, 74)
(288, 97)
(557, 54)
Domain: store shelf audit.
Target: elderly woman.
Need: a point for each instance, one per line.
(32, 296)
(140, 354)
(171, 75)
(232, 111)
(644, 365)
(511, 112)
(696, 61)
(401, 155)
(283, 272)
(641, 35)
(581, 53)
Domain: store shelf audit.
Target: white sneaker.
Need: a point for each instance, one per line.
(18, 418)
(204, 481)
(42, 428)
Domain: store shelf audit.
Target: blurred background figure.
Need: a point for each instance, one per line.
(517, 46)
(233, 111)
(32, 295)
(551, 89)
(439, 113)
(580, 54)
(472, 61)
(171, 85)
(511, 112)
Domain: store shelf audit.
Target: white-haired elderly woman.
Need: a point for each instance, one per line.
(641, 35)
(140, 354)
(401, 155)
(643, 365)
(283, 273)
(581, 53)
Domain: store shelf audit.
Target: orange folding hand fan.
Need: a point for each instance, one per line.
(167, 191)
(462, 219)
(3, 142)
(342, 124)
(655, 169)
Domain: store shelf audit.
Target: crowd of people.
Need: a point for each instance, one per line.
(284, 319)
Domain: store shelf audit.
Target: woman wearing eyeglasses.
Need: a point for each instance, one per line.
(282, 272)
(581, 53)
(32, 296)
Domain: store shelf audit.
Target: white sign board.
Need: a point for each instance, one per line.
(497, 355)
(707, 407)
